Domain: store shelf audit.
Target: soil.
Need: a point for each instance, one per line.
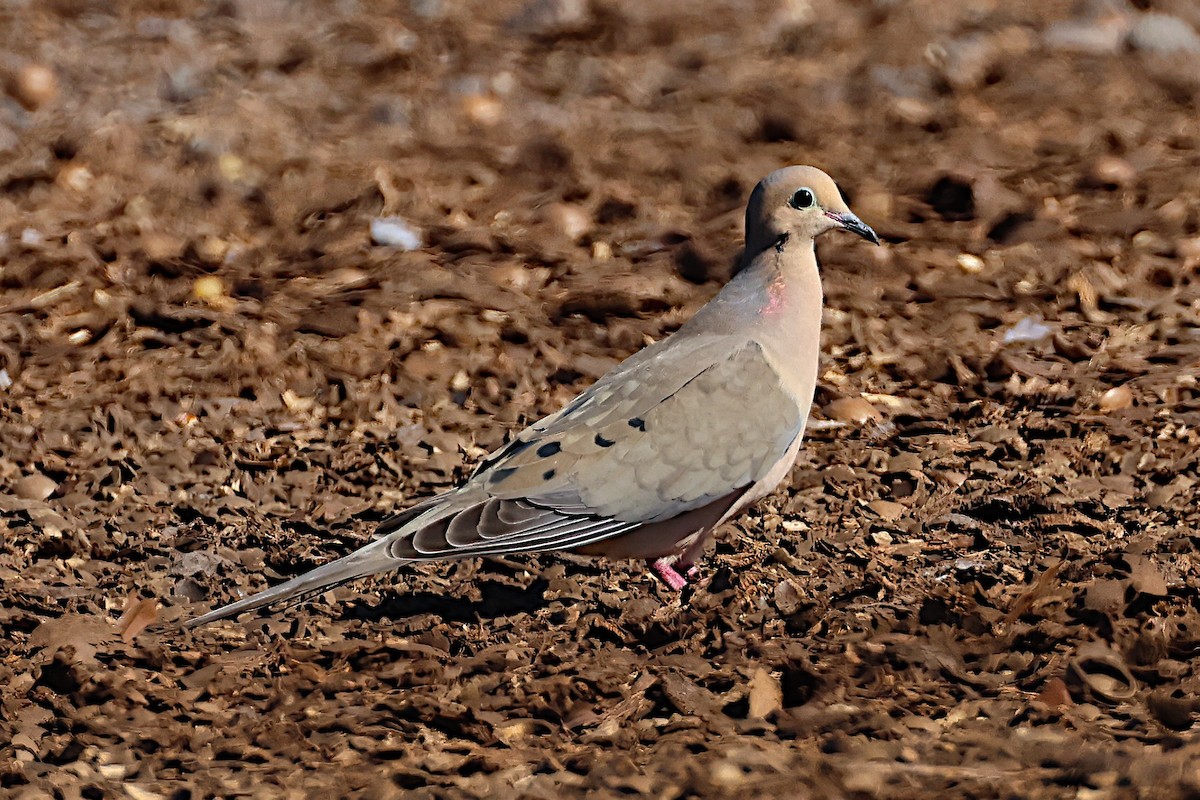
(979, 581)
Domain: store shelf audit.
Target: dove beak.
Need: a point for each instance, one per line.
(850, 222)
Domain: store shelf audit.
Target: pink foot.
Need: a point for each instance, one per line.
(666, 570)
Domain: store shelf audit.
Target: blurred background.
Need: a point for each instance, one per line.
(269, 270)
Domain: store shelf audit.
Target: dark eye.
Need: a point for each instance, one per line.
(803, 198)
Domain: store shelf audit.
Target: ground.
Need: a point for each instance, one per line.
(979, 581)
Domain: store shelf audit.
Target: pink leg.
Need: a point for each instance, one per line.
(665, 568)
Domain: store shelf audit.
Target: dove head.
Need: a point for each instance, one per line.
(800, 203)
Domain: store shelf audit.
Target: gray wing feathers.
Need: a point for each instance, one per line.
(670, 431)
(482, 529)
(722, 428)
(630, 454)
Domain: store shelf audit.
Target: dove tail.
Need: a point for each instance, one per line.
(369, 560)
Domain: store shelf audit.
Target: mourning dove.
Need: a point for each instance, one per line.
(649, 460)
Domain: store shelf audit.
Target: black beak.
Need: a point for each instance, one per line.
(850, 222)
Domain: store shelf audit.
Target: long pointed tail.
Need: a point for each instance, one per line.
(369, 560)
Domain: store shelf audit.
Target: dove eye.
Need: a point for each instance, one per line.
(803, 198)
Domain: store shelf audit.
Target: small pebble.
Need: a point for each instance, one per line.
(113, 772)
(76, 177)
(34, 86)
(136, 792)
(1116, 398)
(514, 731)
(913, 110)
(963, 63)
(552, 17)
(1164, 34)
(727, 775)
(1029, 329)
(851, 409)
(160, 246)
(1112, 171)
(482, 109)
(209, 289)
(211, 250)
(571, 221)
(231, 167)
(1151, 242)
(395, 232)
(5, 380)
(970, 264)
(1189, 251)
(1096, 37)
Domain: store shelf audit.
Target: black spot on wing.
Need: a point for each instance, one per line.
(602, 442)
(503, 474)
(548, 449)
(637, 422)
(548, 475)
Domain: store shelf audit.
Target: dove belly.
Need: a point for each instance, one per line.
(666, 538)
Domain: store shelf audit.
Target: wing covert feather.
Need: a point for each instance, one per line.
(650, 457)
(639, 447)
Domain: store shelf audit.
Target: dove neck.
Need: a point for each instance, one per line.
(781, 284)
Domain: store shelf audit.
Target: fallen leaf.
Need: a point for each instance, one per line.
(766, 695)
(1054, 694)
(1038, 589)
(76, 634)
(35, 487)
(1146, 577)
(139, 615)
(514, 731)
(887, 509)
(1105, 594)
(851, 409)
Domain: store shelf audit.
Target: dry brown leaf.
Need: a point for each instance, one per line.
(1146, 577)
(139, 615)
(1038, 589)
(1054, 694)
(888, 509)
(766, 695)
(77, 634)
(853, 410)
(35, 487)
(514, 731)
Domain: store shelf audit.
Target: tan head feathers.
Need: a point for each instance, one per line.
(797, 201)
